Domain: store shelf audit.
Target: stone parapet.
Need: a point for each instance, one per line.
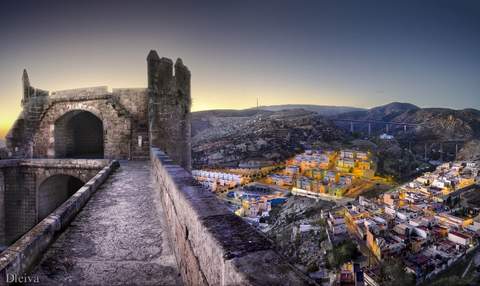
(56, 163)
(65, 163)
(21, 256)
(94, 90)
(212, 245)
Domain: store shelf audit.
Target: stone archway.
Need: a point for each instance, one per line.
(79, 134)
(54, 191)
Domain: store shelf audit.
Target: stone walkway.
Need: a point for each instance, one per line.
(117, 239)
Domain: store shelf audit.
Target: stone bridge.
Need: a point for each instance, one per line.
(32, 189)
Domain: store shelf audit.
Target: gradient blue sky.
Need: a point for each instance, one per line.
(357, 53)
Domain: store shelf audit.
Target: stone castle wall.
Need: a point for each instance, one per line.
(212, 245)
(2, 208)
(132, 118)
(116, 127)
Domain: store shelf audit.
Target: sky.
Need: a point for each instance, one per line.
(352, 53)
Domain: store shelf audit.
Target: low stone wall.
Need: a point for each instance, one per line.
(84, 164)
(21, 256)
(20, 185)
(94, 90)
(212, 245)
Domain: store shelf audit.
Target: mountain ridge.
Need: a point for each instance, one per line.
(324, 110)
(443, 123)
(229, 136)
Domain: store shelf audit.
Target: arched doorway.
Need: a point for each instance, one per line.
(79, 134)
(54, 191)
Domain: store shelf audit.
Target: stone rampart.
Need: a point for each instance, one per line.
(95, 90)
(212, 245)
(21, 256)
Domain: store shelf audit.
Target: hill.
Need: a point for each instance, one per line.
(324, 110)
(200, 122)
(471, 151)
(216, 119)
(227, 138)
(435, 123)
(2, 143)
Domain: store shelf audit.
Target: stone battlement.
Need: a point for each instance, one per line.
(212, 245)
(56, 163)
(95, 90)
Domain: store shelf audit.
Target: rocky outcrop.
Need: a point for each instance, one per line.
(304, 249)
(470, 152)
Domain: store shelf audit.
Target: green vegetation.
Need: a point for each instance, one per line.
(452, 203)
(274, 214)
(312, 267)
(342, 253)
(322, 236)
(319, 222)
(392, 273)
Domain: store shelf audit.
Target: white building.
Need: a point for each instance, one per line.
(385, 136)
(421, 231)
(459, 238)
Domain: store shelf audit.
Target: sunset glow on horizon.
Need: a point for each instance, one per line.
(280, 52)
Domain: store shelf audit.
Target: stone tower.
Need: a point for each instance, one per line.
(169, 108)
(19, 138)
(27, 89)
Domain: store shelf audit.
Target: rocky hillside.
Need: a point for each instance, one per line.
(436, 123)
(217, 120)
(305, 250)
(2, 143)
(226, 137)
(470, 152)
